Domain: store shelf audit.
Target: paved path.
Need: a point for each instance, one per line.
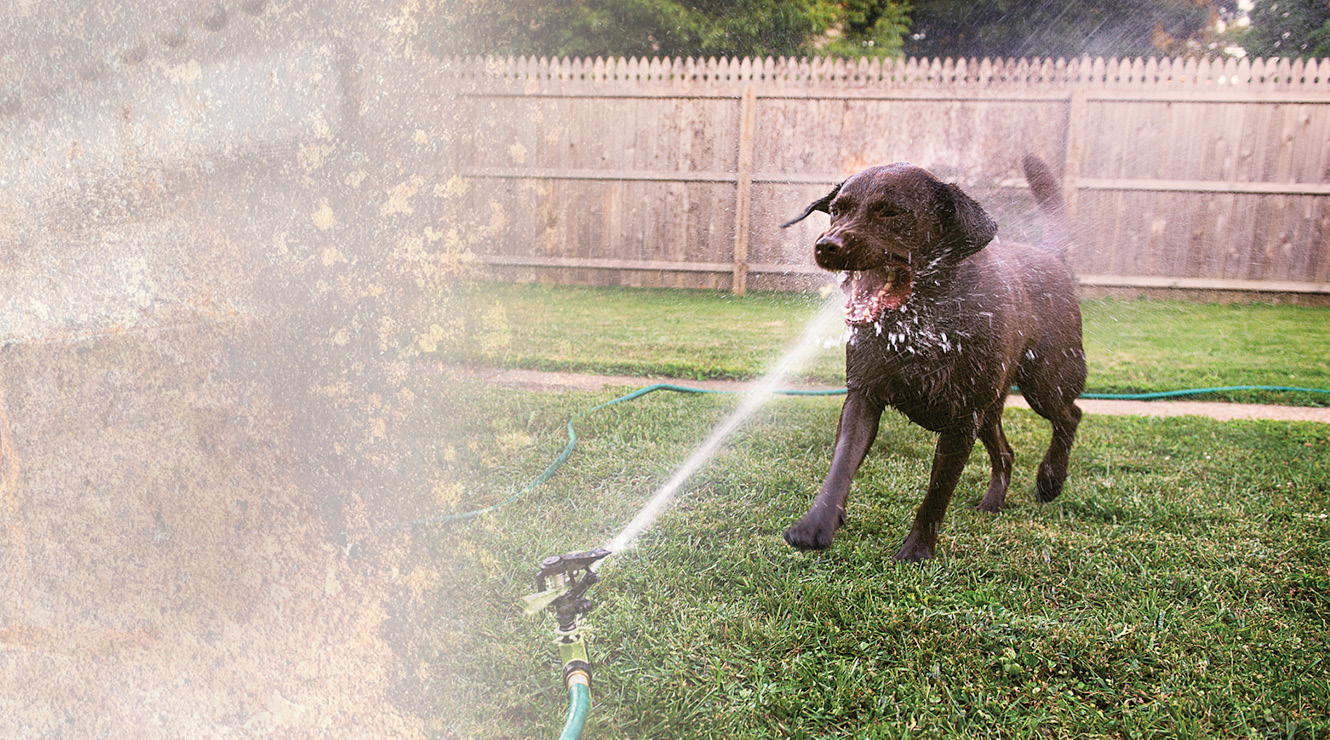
(1214, 410)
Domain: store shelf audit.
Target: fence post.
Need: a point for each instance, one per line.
(744, 189)
(1071, 170)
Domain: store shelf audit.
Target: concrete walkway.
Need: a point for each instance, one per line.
(536, 379)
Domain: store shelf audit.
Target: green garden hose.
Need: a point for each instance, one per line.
(572, 443)
(1196, 392)
(579, 704)
(572, 433)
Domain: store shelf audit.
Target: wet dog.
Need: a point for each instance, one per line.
(943, 319)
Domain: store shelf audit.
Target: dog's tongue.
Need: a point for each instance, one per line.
(873, 291)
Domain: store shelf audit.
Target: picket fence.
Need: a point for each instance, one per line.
(1181, 173)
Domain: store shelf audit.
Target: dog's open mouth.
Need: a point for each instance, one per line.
(873, 291)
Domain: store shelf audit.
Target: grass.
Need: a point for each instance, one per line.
(670, 333)
(1141, 346)
(1132, 346)
(1180, 587)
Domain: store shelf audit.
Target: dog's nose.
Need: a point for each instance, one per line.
(828, 245)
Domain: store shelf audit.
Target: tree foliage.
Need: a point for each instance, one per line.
(1288, 28)
(629, 27)
(867, 28)
(1037, 28)
(925, 28)
(668, 27)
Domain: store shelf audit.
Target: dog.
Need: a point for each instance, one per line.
(943, 319)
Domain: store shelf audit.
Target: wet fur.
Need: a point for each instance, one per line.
(984, 314)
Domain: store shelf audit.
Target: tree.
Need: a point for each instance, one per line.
(625, 27)
(666, 27)
(1288, 28)
(867, 28)
(1071, 28)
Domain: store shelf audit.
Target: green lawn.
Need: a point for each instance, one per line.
(1180, 586)
(669, 333)
(1132, 346)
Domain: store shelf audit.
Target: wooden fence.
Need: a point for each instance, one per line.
(1178, 173)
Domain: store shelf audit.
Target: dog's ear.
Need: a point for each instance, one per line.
(969, 227)
(823, 204)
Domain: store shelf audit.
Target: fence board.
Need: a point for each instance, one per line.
(633, 171)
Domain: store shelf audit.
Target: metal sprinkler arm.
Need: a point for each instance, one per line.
(569, 564)
(562, 583)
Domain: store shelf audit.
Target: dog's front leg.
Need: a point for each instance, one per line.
(953, 450)
(859, 417)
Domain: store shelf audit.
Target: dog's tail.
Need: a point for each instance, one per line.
(1048, 194)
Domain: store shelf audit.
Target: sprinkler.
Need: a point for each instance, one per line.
(561, 586)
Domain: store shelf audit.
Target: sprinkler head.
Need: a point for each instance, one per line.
(567, 566)
(561, 585)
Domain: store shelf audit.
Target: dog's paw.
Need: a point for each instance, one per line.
(1047, 487)
(914, 550)
(914, 554)
(810, 534)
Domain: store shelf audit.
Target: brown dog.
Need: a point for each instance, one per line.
(944, 319)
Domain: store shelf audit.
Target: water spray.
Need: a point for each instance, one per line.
(562, 580)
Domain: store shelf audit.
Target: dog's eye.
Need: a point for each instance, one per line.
(886, 210)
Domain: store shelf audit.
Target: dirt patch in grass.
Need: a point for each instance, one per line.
(546, 380)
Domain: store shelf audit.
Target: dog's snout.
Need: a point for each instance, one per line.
(828, 245)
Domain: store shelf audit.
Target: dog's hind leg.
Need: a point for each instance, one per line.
(1065, 416)
(855, 433)
(953, 450)
(1001, 457)
(1051, 392)
(1053, 470)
